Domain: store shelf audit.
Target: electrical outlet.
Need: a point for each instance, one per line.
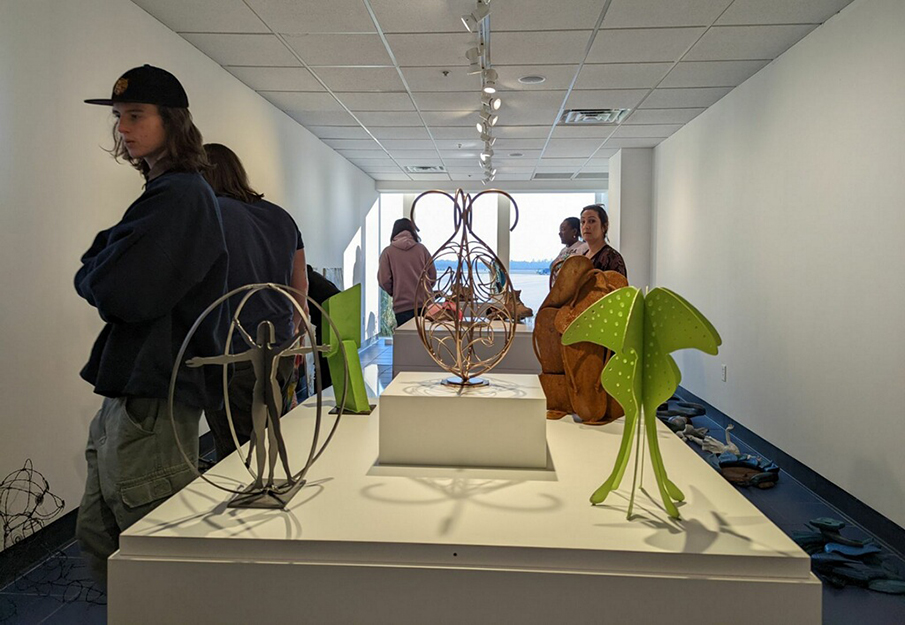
(723, 372)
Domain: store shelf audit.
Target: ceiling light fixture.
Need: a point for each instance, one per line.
(477, 16)
(474, 58)
(487, 154)
(490, 78)
(491, 103)
(489, 120)
(488, 138)
(532, 79)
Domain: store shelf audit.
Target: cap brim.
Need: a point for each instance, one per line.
(106, 102)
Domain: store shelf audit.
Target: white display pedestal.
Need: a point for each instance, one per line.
(365, 543)
(424, 422)
(409, 353)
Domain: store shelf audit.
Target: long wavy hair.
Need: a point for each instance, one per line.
(184, 147)
(227, 176)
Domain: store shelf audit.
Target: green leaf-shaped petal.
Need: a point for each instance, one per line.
(676, 324)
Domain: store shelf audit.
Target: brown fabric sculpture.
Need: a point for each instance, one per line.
(571, 373)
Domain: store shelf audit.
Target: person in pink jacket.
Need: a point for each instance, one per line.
(401, 265)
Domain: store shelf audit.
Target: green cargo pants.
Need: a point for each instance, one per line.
(134, 465)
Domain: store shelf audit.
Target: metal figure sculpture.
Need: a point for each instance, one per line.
(266, 442)
(469, 318)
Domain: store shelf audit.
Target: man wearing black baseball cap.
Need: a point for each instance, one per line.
(149, 276)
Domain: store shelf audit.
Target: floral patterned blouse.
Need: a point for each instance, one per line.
(608, 259)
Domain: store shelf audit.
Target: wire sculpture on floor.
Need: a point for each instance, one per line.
(266, 445)
(26, 506)
(469, 316)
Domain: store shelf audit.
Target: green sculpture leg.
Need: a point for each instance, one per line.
(659, 470)
(356, 392)
(625, 451)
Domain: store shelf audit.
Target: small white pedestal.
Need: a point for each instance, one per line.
(424, 422)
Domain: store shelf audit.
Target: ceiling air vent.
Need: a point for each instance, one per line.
(593, 116)
(425, 169)
(552, 176)
(592, 175)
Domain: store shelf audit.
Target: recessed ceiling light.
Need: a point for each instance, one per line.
(516, 154)
(532, 79)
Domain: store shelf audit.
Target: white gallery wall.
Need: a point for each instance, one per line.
(779, 213)
(58, 188)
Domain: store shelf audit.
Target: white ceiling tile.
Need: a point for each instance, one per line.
(712, 73)
(642, 45)
(448, 101)
(633, 142)
(276, 78)
(376, 101)
(515, 169)
(572, 163)
(548, 169)
(459, 144)
(657, 13)
(400, 132)
(512, 177)
(363, 154)
(360, 78)
(243, 49)
(415, 160)
(596, 131)
(558, 77)
(431, 49)
(729, 43)
(519, 144)
(529, 117)
(503, 157)
(571, 148)
(377, 176)
(602, 157)
(339, 132)
(380, 169)
(429, 176)
(433, 79)
(537, 47)
(542, 15)
(644, 130)
(781, 11)
(605, 98)
(302, 101)
(663, 116)
(314, 16)
(431, 16)
(387, 118)
(685, 98)
(460, 132)
(323, 118)
(407, 144)
(460, 156)
(217, 16)
(409, 155)
(367, 163)
(521, 132)
(621, 75)
(450, 118)
(352, 144)
(365, 50)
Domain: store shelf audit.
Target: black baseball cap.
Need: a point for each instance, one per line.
(147, 85)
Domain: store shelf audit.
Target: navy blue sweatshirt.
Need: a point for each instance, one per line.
(150, 276)
(262, 239)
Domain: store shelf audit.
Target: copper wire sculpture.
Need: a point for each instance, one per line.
(267, 443)
(469, 317)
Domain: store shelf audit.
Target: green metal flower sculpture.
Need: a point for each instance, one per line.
(641, 374)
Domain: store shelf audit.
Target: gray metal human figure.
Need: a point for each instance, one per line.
(267, 400)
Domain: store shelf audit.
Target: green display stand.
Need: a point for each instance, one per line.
(345, 311)
(642, 331)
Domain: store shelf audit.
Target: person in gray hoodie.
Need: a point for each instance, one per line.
(401, 265)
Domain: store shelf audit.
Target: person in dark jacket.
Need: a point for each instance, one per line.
(264, 245)
(400, 268)
(150, 277)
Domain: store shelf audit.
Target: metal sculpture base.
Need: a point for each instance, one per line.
(347, 411)
(275, 498)
(457, 381)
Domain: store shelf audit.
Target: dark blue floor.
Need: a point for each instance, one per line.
(59, 589)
